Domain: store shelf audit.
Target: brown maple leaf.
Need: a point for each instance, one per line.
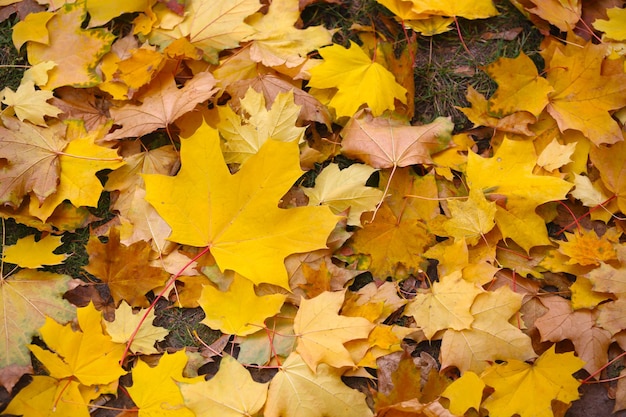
(162, 104)
(125, 269)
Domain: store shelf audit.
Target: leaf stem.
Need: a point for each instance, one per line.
(157, 298)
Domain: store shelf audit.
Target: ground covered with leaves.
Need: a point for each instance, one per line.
(313, 208)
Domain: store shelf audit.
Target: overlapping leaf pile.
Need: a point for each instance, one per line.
(201, 117)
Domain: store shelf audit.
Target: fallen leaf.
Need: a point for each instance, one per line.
(76, 65)
(162, 104)
(491, 336)
(345, 189)
(510, 173)
(33, 160)
(30, 254)
(245, 133)
(321, 332)
(560, 322)
(583, 96)
(464, 393)
(446, 305)
(125, 269)
(239, 310)
(383, 142)
(276, 41)
(154, 389)
(520, 88)
(30, 104)
(353, 73)
(297, 390)
(88, 355)
(218, 219)
(27, 298)
(129, 324)
(528, 390)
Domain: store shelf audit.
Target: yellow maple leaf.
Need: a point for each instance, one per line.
(230, 393)
(30, 104)
(76, 65)
(79, 161)
(345, 189)
(154, 389)
(298, 391)
(30, 254)
(125, 325)
(246, 133)
(528, 390)
(239, 310)
(210, 26)
(354, 74)
(520, 88)
(479, 114)
(583, 96)
(479, 9)
(509, 173)
(491, 336)
(445, 306)
(277, 42)
(464, 393)
(470, 219)
(245, 229)
(88, 355)
(562, 14)
(32, 28)
(615, 27)
(101, 11)
(46, 396)
(321, 332)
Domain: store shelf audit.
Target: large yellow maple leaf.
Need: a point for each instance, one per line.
(509, 173)
(321, 332)
(358, 80)
(528, 390)
(298, 391)
(238, 215)
(88, 355)
(583, 95)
